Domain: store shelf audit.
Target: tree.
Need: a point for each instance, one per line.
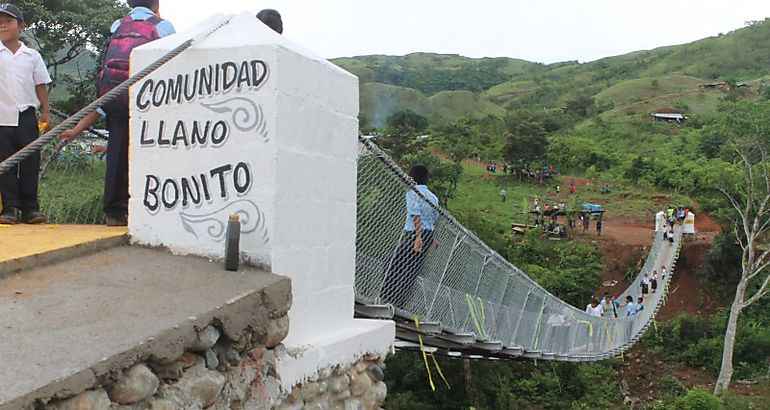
(401, 133)
(444, 176)
(526, 141)
(63, 30)
(752, 206)
(70, 32)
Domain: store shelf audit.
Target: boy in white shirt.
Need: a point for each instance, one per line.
(23, 89)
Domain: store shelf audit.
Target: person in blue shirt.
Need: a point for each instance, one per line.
(116, 175)
(629, 305)
(407, 259)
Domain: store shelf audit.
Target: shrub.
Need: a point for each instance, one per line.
(698, 399)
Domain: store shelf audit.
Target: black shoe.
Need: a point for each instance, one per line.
(117, 220)
(10, 216)
(34, 217)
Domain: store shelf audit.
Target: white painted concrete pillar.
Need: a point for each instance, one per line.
(247, 122)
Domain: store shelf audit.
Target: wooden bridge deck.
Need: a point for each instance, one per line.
(26, 246)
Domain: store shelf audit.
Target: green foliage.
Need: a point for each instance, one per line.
(526, 141)
(71, 191)
(672, 386)
(698, 399)
(466, 138)
(402, 134)
(569, 270)
(444, 175)
(578, 154)
(698, 342)
(723, 262)
(501, 385)
(432, 73)
(67, 33)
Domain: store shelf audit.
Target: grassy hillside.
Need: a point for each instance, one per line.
(641, 89)
(637, 82)
(433, 73)
(510, 90)
(379, 100)
(450, 105)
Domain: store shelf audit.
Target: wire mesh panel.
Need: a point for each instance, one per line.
(453, 278)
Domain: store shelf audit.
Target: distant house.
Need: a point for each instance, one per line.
(669, 115)
(717, 86)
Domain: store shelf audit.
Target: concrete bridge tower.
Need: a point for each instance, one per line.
(249, 123)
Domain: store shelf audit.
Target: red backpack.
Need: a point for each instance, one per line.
(115, 65)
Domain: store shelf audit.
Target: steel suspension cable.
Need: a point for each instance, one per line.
(116, 92)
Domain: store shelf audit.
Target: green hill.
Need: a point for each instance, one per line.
(433, 73)
(646, 88)
(450, 105)
(379, 100)
(637, 82)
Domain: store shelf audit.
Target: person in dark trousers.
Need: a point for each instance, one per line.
(406, 261)
(272, 19)
(140, 26)
(24, 83)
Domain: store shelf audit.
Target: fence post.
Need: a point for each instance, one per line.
(458, 241)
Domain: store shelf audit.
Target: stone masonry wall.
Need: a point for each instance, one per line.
(218, 373)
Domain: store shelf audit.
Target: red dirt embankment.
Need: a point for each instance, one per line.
(623, 246)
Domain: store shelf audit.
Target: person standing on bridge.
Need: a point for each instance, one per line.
(140, 26)
(24, 83)
(407, 259)
(594, 308)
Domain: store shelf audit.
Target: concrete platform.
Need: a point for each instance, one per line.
(27, 246)
(67, 325)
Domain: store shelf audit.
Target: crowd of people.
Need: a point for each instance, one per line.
(649, 281)
(24, 92)
(538, 175)
(609, 306)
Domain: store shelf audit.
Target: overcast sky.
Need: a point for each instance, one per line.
(536, 30)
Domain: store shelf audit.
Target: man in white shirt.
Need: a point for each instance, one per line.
(23, 90)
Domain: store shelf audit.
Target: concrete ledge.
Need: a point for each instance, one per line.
(338, 347)
(25, 247)
(70, 325)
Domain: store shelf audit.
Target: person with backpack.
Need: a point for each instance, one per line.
(23, 90)
(142, 25)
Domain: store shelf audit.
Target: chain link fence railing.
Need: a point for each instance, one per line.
(459, 282)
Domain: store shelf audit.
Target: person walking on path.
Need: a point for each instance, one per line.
(645, 286)
(408, 257)
(608, 305)
(24, 83)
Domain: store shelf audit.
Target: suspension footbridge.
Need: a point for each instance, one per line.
(466, 299)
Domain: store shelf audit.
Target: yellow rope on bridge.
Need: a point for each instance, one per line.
(425, 359)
